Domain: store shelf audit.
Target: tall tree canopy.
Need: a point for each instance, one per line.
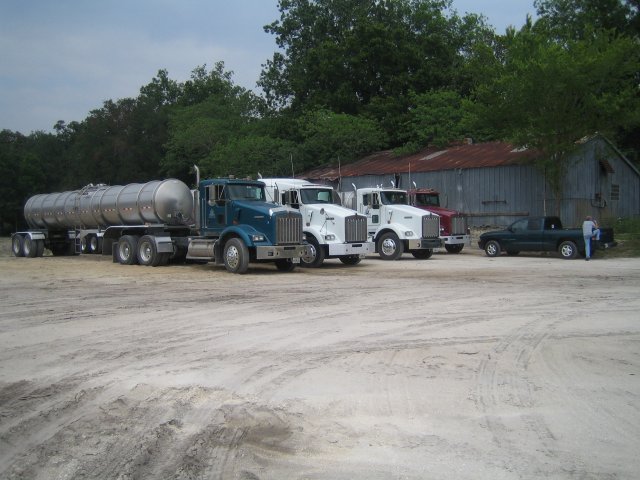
(347, 55)
(548, 93)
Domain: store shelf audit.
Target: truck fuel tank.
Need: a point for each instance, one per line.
(160, 201)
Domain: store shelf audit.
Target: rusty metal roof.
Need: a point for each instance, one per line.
(491, 154)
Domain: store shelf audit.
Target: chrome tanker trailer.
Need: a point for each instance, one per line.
(226, 221)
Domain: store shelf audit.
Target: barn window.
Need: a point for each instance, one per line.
(615, 192)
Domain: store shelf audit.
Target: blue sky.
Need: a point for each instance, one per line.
(59, 60)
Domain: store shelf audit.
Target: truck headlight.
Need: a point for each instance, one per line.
(329, 237)
(257, 238)
(408, 233)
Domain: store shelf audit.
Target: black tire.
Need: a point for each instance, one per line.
(126, 250)
(389, 246)
(568, 250)
(350, 259)
(492, 248)
(147, 252)
(17, 245)
(94, 244)
(316, 254)
(422, 254)
(236, 256)
(30, 247)
(285, 265)
(84, 244)
(455, 248)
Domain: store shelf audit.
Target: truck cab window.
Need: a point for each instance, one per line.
(520, 225)
(246, 192)
(393, 198)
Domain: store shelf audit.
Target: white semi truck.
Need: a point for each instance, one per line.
(395, 226)
(331, 230)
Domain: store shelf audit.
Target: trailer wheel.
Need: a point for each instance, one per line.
(17, 244)
(350, 259)
(422, 254)
(95, 244)
(126, 251)
(84, 244)
(148, 252)
(492, 248)
(316, 253)
(30, 247)
(390, 247)
(455, 248)
(568, 250)
(236, 256)
(285, 265)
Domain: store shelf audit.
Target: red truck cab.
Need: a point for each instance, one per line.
(454, 230)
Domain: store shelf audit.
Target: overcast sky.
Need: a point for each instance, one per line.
(61, 59)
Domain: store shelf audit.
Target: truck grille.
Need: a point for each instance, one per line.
(289, 229)
(355, 228)
(430, 226)
(458, 225)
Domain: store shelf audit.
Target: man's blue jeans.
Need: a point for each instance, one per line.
(587, 242)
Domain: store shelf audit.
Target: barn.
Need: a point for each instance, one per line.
(495, 183)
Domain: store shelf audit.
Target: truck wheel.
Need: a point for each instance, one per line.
(30, 248)
(94, 244)
(390, 247)
(316, 253)
(568, 250)
(126, 251)
(147, 252)
(350, 259)
(84, 244)
(17, 243)
(492, 248)
(285, 265)
(455, 248)
(422, 254)
(236, 256)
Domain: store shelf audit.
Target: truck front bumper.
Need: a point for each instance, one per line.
(274, 252)
(341, 249)
(456, 240)
(424, 243)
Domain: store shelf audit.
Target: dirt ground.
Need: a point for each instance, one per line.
(456, 367)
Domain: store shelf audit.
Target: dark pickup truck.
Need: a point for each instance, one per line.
(541, 234)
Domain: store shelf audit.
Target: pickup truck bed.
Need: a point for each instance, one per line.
(541, 234)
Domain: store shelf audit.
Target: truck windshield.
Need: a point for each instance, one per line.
(393, 197)
(246, 192)
(427, 200)
(319, 195)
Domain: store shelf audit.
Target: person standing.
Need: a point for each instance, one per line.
(590, 230)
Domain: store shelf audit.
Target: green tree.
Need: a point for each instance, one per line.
(364, 57)
(329, 137)
(22, 174)
(577, 19)
(211, 113)
(435, 118)
(547, 94)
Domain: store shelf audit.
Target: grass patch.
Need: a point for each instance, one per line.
(626, 231)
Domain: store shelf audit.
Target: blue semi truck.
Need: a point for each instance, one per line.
(225, 220)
